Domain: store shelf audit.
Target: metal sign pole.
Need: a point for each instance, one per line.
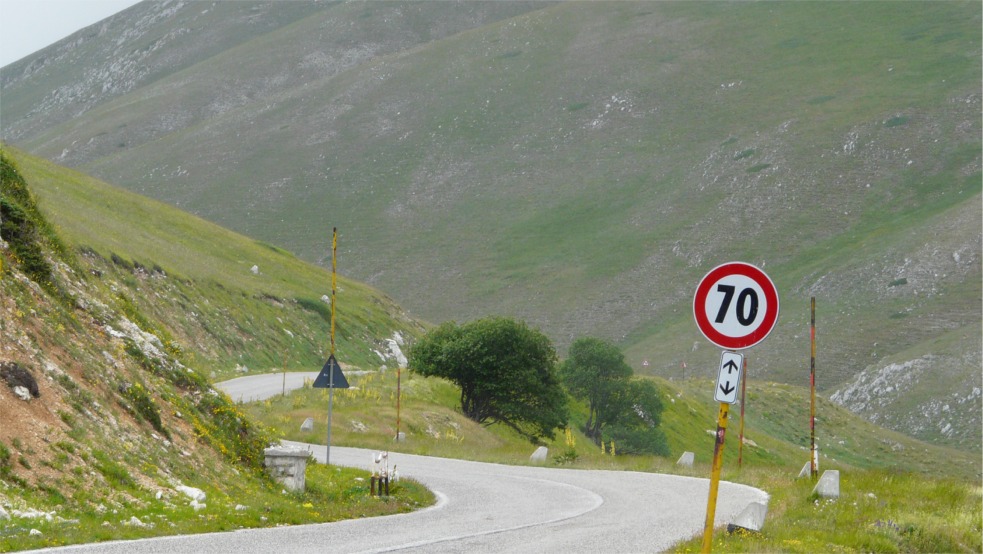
(718, 455)
(334, 288)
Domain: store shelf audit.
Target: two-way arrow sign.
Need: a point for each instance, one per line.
(729, 377)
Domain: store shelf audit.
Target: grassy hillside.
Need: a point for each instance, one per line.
(113, 353)
(776, 421)
(196, 280)
(582, 165)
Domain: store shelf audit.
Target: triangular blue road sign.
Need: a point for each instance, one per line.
(325, 380)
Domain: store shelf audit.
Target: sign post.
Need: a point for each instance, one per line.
(718, 460)
(735, 307)
(331, 377)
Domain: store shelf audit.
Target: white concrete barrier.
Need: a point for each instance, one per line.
(752, 518)
(686, 460)
(539, 455)
(288, 466)
(828, 485)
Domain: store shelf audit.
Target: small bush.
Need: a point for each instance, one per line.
(119, 261)
(316, 306)
(144, 405)
(896, 121)
(5, 465)
(639, 441)
(230, 431)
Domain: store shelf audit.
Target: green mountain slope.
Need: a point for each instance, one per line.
(197, 281)
(582, 165)
(115, 309)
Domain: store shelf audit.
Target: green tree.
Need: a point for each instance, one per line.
(596, 373)
(619, 407)
(506, 371)
(635, 428)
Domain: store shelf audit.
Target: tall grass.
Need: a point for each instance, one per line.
(877, 511)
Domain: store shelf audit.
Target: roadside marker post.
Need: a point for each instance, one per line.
(735, 307)
(331, 377)
(813, 469)
(740, 444)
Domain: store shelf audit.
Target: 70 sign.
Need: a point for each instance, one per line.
(736, 305)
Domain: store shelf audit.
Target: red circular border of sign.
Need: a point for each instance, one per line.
(703, 291)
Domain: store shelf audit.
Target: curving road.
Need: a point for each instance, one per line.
(261, 387)
(486, 507)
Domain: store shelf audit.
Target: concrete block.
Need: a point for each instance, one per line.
(400, 437)
(308, 424)
(288, 466)
(752, 518)
(539, 455)
(686, 460)
(807, 469)
(828, 485)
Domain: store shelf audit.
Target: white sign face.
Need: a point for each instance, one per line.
(729, 378)
(736, 305)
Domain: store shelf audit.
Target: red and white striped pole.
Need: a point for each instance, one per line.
(813, 470)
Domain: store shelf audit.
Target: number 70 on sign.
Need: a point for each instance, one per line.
(736, 305)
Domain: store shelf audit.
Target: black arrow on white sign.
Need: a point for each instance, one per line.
(729, 377)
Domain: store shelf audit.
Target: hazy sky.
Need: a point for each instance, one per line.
(27, 26)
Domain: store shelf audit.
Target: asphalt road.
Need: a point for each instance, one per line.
(491, 508)
(261, 387)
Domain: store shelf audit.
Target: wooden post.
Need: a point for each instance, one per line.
(398, 378)
(740, 447)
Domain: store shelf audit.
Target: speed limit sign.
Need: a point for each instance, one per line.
(736, 305)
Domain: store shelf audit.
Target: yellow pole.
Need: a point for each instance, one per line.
(718, 455)
(334, 280)
(334, 270)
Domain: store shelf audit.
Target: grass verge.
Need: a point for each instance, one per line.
(252, 501)
(877, 511)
